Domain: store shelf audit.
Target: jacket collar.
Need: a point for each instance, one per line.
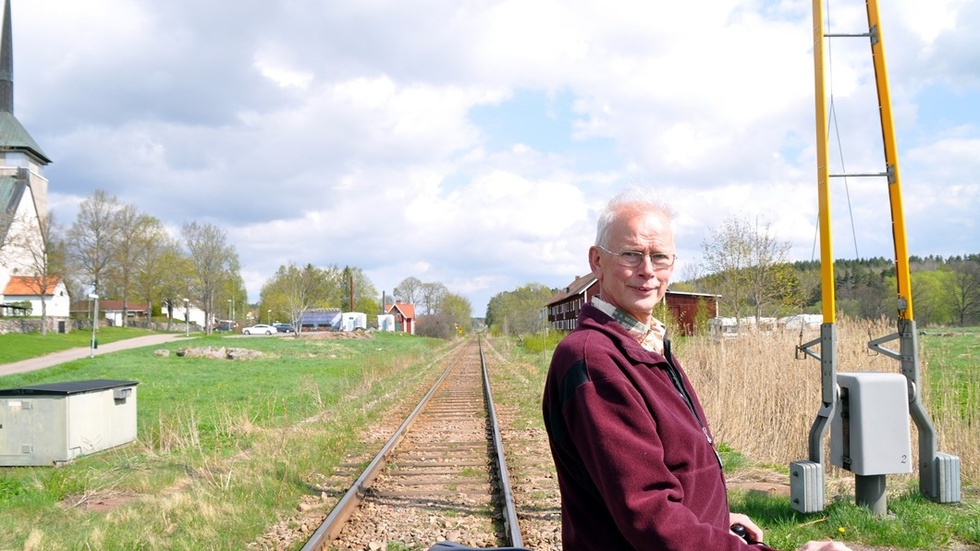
(651, 337)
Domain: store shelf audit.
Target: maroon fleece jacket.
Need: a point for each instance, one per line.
(636, 464)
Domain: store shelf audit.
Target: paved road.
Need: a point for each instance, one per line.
(78, 353)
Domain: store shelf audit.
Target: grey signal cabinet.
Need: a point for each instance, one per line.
(54, 423)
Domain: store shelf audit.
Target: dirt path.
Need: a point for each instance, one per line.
(71, 354)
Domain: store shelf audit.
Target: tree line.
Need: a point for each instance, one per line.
(115, 251)
(445, 314)
(519, 312)
(293, 290)
(748, 267)
(745, 264)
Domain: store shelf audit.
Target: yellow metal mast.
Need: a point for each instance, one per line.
(823, 175)
(939, 473)
(891, 165)
(939, 478)
(806, 477)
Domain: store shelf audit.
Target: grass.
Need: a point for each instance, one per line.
(950, 358)
(225, 448)
(770, 422)
(15, 347)
(912, 523)
(761, 402)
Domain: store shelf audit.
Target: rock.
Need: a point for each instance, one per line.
(242, 354)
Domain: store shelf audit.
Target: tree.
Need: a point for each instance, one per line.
(44, 257)
(437, 326)
(356, 289)
(93, 238)
(929, 291)
(408, 291)
(162, 272)
(451, 316)
(169, 277)
(138, 235)
(6, 221)
(212, 259)
(431, 294)
(293, 290)
(518, 311)
(964, 292)
(232, 291)
(746, 263)
(459, 310)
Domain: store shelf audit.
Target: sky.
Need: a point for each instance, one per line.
(474, 142)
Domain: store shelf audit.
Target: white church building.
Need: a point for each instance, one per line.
(23, 207)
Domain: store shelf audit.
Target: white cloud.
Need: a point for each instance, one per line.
(341, 132)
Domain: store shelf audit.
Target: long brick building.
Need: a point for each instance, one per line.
(563, 308)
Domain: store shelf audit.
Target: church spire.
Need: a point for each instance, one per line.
(6, 63)
(13, 135)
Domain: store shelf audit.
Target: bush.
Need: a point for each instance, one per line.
(439, 326)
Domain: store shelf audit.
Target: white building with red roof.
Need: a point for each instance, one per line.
(22, 290)
(404, 316)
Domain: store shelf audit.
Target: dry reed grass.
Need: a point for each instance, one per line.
(761, 400)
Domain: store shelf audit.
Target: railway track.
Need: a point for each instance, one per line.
(441, 476)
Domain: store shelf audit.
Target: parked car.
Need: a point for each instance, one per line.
(260, 329)
(284, 327)
(223, 326)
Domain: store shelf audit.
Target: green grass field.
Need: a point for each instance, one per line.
(15, 347)
(221, 449)
(950, 357)
(953, 359)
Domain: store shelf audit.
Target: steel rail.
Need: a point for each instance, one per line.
(511, 527)
(332, 525)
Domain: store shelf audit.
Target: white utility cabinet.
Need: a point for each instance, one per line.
(870, 430)
(54, 423)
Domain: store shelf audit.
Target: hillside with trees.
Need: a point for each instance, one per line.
(745, 264)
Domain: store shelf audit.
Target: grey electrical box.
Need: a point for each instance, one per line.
(870, 430)
(55, 423)
(806, 486)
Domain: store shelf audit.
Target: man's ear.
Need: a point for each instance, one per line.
(594, 261)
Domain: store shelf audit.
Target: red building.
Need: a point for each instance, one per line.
(404, 316)
(564, 307)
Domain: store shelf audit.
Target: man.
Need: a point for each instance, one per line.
(637, 466)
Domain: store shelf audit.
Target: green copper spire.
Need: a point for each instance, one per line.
(6, 63)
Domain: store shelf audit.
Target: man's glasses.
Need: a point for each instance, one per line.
(632, 259)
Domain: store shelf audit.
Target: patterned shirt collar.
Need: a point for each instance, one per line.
(650, 337)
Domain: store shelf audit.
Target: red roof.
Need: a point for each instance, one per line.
(576, 287)
(29, 285)
(406, 310)
(117, 306)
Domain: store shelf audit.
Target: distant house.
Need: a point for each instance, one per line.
(27, 289)
(732, 327)
(188, 313)
(112, 310)
(564, 307)
(404, 316)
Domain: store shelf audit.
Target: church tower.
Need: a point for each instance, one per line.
(21, 160)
